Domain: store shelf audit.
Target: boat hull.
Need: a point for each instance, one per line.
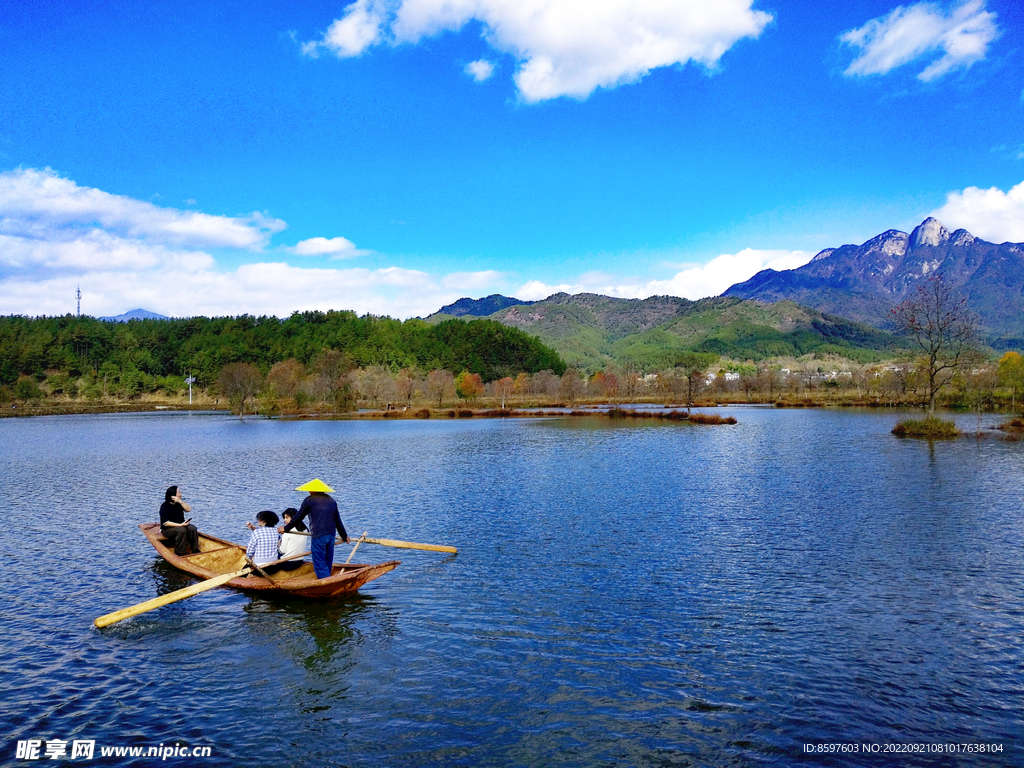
(219, 556)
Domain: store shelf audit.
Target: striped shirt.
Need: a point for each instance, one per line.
(262, 545)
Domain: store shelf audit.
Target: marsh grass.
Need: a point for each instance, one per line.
(929, 429)
(693, 418)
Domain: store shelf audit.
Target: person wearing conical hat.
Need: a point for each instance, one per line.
(324, 520)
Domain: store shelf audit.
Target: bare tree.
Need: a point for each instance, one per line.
(376, 385)
(940, 324)
(545, 383)
(503, 388)
(405, 384)
(440, 383)
(334, 371)
(239, 383)
(571, 386)
(693, 365)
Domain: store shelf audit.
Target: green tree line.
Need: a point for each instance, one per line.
(148, 354)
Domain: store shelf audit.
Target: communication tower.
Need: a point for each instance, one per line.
(78, 296)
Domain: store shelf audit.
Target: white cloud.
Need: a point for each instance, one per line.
(955, 40)
(96, 250)
(39, 203)
(125, 253)
(990, 214)
(472, 281)
(563, 47)
(353, 33)
(693, 282)
(535, 290)
(335, 247)
(480, 70)
(264, 288)
(713, 278)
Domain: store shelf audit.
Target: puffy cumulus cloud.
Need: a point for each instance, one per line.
(990, 214)
(480, 70)
(956, 39)
(692, 282)
(55, 235)
(358, 29)
(562, 47)
(713, 278)
(335, 247)
(41, 204)
(95, 250)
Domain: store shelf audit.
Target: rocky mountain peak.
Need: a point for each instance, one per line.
(892, 242)
(929, 232)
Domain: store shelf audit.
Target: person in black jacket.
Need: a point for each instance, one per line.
(173, 525)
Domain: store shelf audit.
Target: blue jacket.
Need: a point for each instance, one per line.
(323, 516)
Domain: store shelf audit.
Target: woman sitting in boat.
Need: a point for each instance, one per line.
(263, 543)
(173, 525)
(292, 543)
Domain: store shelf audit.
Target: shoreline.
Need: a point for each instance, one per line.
(638, 409)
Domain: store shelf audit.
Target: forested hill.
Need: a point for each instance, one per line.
(591, 331)
(203, 346)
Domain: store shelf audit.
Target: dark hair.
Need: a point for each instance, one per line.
(292, 512)
(172, 491)
(267, 517)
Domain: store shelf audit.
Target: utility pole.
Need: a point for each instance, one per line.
(189, 381)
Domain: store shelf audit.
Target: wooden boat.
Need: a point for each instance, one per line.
(218, 557)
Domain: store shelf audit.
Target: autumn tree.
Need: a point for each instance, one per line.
(284, 378)
(1011, 374)
(469, 386)
(939, 322)
(979, 380)
(239, 383)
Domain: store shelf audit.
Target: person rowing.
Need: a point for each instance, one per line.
(324, 520)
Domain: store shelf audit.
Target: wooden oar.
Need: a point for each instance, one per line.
(359, 541)
(170, 597)
(394, 543)
(410, 545)
(181, 594)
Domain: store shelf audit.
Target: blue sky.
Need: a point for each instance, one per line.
(390, 156)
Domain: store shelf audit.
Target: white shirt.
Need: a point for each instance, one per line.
(293, 544)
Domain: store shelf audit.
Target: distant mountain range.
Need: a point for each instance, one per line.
(134, 314)
(481, 307)
(864, 282)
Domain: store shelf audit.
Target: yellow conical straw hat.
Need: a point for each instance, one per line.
(316, 485)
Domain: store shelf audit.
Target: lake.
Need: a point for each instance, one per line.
(625, 594)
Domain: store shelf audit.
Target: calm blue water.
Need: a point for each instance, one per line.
(624, 595)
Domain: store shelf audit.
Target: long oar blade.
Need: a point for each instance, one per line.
(170, 597)
(410, 545)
